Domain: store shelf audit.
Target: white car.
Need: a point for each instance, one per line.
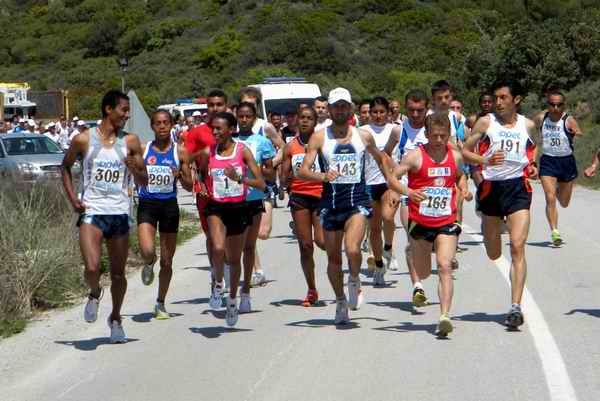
(183, 109)
(284, 94)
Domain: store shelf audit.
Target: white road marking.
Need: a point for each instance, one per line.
(555, 370)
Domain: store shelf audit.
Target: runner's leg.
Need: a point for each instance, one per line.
(519, 230)
(354, 232)
(333, 245)
(250, 252)
(146, 237)
(565, 190)
(234, 245)
(550, 187)
(318, 232)
(168, 244)
(492, 228)
(90, 243)
(445, 250)
(375, 225)
(414, 278)
(218, 232)
(304, 232)
(118, 249)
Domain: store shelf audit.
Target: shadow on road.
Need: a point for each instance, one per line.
(92, 344)
(298, 302)
(147, 317)
(216, 332)
(471, 243)
(319, 323)
(543, 244)
(287, 236)
(590, 312)
(404, 327)
(202, 254)
(405, 306)
(485, 317)
(195, 301)
(203, 268)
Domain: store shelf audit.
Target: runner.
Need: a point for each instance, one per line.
(290, 131)
(412, 135)
(558, 169)
(304, 200)
(381, 131)
(396, 117)
(198, 142)
(225, 171)
(363, 112)
(109, 156)
(263, 151)
(486, 106)
(166, 163)
(345, 202)
(320, 107)
(433, 171)
(508, 160)
(264, 128)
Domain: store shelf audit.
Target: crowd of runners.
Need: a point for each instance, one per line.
(346, 169)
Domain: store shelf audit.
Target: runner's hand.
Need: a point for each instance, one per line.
(203, 192)
(332, 175)
(130, 161)
(532, 172)
(590, 171)
(176, 172)
(78, 206)
(393, 198)
(496, 159)
(416, 196)
(467, 195)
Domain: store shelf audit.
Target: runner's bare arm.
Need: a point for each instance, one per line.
(268, 170)
(533, 130)
(462, 185)
(135, 160)
(273, 135)
(185, 173)
(468, 150)
(591, 170)
(377, 154)
(410, 162)
(257, 182)
(76, 151)
(286, 167)
(573, 126)
(314, 144)
(393, 140)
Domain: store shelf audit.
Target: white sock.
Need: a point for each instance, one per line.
(418, 285)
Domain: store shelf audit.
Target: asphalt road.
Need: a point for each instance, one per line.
(283, 351)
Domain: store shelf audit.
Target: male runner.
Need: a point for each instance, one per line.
(109, 155)
(396, 117)
(345, 201)
(433, 170)
(412, 135)
(486, 106)
(363, 112)
(558, 169)
(320, 107)
(508, 158)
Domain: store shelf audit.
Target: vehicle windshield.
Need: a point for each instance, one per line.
(189, 112)
(284, 105)
(30, 146)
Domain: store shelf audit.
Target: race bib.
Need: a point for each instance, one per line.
(438, 202)
(348, 167)
(160, 179)
(223, 187)
(513, 149)
(556, 143)
(108, 175)
(297, 161)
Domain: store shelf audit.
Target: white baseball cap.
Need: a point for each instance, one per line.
(80, 123)
(31, 122)
(196, 114)
(75, 118)
(50, 125)
(22, 120)
(339, 94)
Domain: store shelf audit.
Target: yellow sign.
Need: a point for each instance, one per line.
(13, 85)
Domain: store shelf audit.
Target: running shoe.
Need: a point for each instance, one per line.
(160, 313)
(90, 313)
(379, 277)
(355, 294)
(245, 304)
(341, 312)
(312, 298)
(444, 326)
(258, 278)
(216, 298)
(390, 260)
(227, 277)
(556, 238)
(148, 273)
(117, 334)
(231, 316)
(454, 264)
(419, 298)
(514, 318)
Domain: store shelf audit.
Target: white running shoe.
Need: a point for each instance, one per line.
(148, 273)
(216, 298)
(90, 313)
(258, 278)
(227, 277)
(231, 316)
(341, 312)
(117, 334)
(390, 260)
(379, 277)
(245, 304)
(355, 294)
(160, 312)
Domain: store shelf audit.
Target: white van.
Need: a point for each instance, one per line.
(284, 94)
(183, 109)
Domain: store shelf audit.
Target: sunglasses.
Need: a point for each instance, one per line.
(555, 105)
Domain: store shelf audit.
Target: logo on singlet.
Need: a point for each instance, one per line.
(152, 160)
(438, 172)
(439, 182)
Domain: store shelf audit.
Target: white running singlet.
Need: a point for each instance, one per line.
(381, 134)
(557, 140)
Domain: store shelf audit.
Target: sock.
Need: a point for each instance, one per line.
(418, 285)
(159, 301)
(379, 263)
(387, 247)
(342, 298)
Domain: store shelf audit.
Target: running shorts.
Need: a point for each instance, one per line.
(303, 202)
(564, 168)
(161, 213)
(503, 198)
(376, 191)
(111, 225)
(233, 215)
(419, 232)
(335, 219)
(255, 208)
